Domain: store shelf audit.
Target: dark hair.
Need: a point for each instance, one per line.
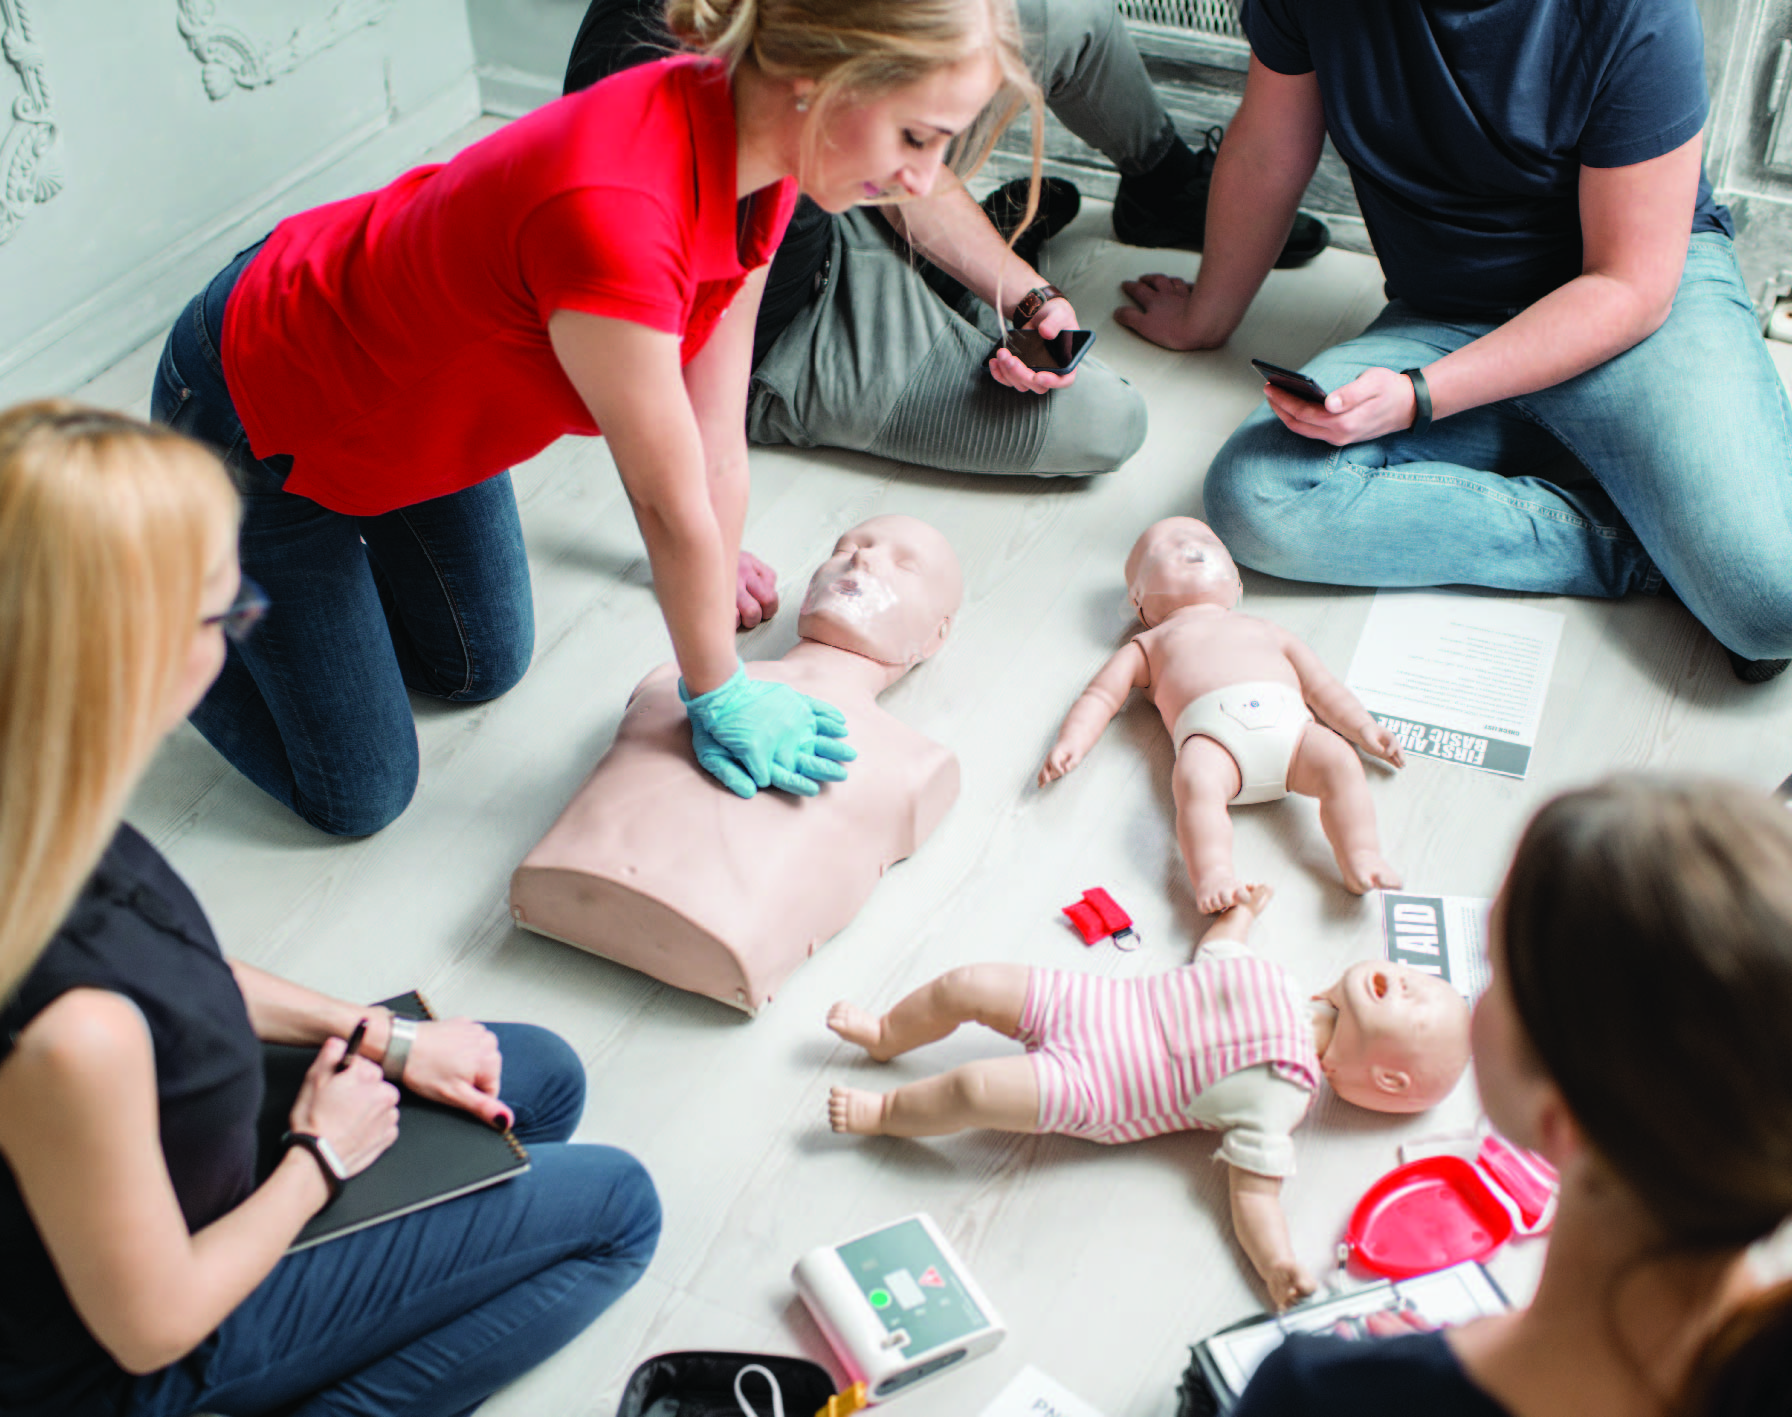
(1648, 948)
(1746, 1368)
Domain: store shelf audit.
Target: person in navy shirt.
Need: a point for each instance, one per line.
(1567, 391)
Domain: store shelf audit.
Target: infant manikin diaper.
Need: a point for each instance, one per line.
(1259, 724)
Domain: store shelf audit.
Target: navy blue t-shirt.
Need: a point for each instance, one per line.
(1465, 124)
(1335, 1377)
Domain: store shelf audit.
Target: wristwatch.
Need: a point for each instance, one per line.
(1034, 301)
(398, 1049)
(335, 1173)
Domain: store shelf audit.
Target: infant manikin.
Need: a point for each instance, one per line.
(1239, 696)
(1225, 1043)
(657, 866)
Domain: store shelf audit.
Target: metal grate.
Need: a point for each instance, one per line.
(1216, 17)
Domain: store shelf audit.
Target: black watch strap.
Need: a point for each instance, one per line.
(1421, 418)
(322, 1153)
(1034, 301)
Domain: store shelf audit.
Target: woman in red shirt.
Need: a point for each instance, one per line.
(372, 369)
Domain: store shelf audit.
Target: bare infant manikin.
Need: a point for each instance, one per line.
(1224, 1044)
(1239, 696)
(657, 866)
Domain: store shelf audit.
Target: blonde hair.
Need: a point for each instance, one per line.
(107, 526)
(866, 48)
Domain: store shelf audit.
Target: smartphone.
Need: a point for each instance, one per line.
(1288, 379)
(1057, 355)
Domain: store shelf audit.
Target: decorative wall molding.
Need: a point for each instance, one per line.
(231, 59)
(30, 166)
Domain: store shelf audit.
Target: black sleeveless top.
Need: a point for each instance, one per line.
(135, 930)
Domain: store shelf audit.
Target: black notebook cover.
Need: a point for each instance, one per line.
(441, 1152)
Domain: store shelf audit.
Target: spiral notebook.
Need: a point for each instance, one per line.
(441, 1152)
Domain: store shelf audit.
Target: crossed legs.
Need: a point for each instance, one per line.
(999, 1093)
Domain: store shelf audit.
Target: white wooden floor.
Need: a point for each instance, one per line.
(1105, 1262)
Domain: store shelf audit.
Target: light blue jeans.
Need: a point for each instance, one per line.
(1671, 462)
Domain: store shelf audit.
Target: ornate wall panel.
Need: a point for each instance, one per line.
(30, 170)
(230, 58)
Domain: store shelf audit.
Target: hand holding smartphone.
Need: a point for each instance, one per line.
(1290, 381)
(1057, 355)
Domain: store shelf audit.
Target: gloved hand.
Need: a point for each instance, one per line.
(750, 734)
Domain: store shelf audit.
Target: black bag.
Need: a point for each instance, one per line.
(702, 1385)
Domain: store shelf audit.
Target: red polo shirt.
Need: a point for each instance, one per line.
(396, 344)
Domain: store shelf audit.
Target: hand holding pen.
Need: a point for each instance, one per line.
(354, 1108)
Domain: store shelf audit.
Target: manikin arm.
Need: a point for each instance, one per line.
(1337, 707)
(1262, 1229)
(1095, 709)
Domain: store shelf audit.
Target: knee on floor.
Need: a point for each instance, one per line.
(364, 803)
(1097, 424)
(1248, 500)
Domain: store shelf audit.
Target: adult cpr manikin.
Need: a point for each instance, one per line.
(657, 866)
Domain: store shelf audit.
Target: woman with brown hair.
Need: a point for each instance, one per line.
(143, 1255)
(1636, 1034)
(372, 369)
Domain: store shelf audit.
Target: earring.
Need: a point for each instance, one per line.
(802, 103)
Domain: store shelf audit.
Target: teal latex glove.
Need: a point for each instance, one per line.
(750, 734)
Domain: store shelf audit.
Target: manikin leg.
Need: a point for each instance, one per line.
(1000, 1093)
(1327, 767)
(990, 994)
(1205, 780)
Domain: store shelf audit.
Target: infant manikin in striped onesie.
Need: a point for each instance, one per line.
(1224, 1043)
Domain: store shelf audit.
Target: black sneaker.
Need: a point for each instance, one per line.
(1059, 203)
(1145, 215)
(1756, 671)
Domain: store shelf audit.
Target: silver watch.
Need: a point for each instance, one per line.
(398, 1049)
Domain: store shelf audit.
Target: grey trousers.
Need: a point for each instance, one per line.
(880, 364)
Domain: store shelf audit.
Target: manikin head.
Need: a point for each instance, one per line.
(888, 592)
(1401, 1039)
(1177, 563)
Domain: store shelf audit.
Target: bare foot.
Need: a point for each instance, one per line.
(1251, 901)
(1368, 871)
(856, 1026)
(1220, 890)
(860, 1113)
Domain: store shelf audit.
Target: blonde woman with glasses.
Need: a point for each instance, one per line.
(143, 1255)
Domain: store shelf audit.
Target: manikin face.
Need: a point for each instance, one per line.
(888, 592)
(893, 146)
(1400, 1040)
(1179, 562)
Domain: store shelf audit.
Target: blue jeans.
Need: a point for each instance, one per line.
(1671, 461)
(435, 598)
(433, 1312)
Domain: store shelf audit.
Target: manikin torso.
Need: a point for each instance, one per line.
(1202, 648)
(657, 866)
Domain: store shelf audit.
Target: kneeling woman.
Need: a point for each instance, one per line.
(142, 1256)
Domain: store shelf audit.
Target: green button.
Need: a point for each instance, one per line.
(880, 1298)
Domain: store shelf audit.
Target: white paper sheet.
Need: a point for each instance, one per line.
(1030, 1393)
(1458, 677)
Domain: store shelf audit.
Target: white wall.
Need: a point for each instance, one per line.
(143, 142)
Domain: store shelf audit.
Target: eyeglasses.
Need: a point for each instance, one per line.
(245, 611)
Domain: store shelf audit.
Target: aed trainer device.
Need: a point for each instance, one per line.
(897, 1305)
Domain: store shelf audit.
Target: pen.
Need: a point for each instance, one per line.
(354, 1046)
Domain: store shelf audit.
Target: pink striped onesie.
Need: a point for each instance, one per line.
(1122, 1059)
